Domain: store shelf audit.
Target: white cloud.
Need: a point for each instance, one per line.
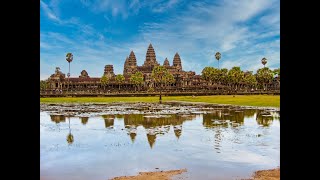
(89, 54)
(50, 14)
(135, 6)
(204, 29)
(125, 9)
(45, 45)
(197, 33)
(251, 58)
(118, 7)
(52, 11)
(270, 19)
(161, 6)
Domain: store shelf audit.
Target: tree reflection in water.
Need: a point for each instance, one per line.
(177, 130)
(217, 140)
(233, 118)
(223, 118)
(249, 112)
(70, 138)
(265, 118)
(220, 119)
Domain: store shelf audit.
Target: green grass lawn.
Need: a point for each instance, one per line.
(248, 100)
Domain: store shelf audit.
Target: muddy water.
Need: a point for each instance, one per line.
(211, 143)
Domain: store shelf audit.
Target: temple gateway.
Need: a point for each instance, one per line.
(184, 80)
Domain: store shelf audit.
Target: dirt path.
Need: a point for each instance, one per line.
(157, 175)
(271, 174)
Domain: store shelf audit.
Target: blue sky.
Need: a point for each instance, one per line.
(101, 32)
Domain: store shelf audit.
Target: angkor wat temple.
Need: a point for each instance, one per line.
(184, 80)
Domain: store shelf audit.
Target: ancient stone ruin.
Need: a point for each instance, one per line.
(185, 81)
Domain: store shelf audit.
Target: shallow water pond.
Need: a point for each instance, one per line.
(218, 143)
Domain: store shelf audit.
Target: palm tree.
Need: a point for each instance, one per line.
(264, 61)
(264, 76)
(137, 79)
(69, 58)
(70, 138)
(104, 81)
(218, 56)
(159, 75)
(120, 79)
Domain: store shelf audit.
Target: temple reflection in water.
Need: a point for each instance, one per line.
(157, 125)
(84, 120)
(154, 125)
(108, 121)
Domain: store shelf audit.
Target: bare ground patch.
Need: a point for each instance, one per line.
(156, 175)
(271, 174)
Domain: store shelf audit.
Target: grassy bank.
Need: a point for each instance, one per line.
(246, 100)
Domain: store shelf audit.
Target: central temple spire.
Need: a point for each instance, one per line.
(132, 59)
(150, 57)
(177, 61)
(130, 65)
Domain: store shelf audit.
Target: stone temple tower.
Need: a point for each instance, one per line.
(132, 61)
(150, 57)
(130, 65)
(108, 71)
(177, 62)
(166, 63)
(126, 64)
